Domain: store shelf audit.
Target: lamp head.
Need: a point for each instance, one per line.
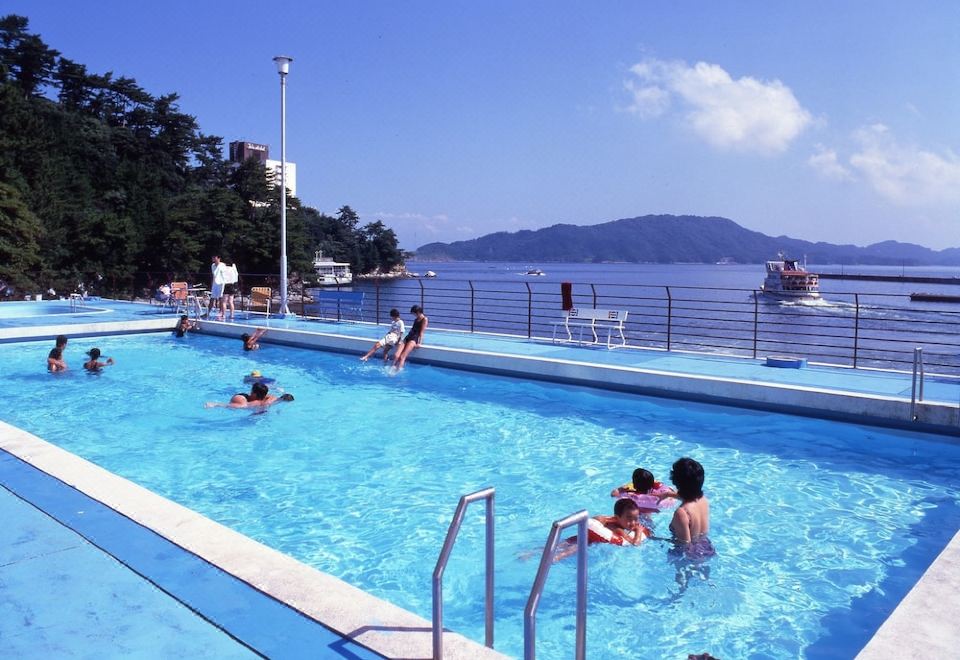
(283, 64)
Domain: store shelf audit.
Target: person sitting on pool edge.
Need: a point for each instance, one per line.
(94, 364)
(250, 341)
(184, 325)
(259, 397)
(55, 361)
(413, 339)
(390, 339)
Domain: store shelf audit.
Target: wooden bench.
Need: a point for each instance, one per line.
(610, 319)
(337, 303)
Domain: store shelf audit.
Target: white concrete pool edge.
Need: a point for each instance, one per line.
(377, 624)
(925, 623)
(780, 397)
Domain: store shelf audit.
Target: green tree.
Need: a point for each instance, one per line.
(20, 233)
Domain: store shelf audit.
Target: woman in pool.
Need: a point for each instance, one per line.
(259, 397)
(413, 339)
(691, 521)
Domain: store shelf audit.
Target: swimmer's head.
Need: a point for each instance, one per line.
(687, 476)
(258, 392)
(416, 309)
(394, 313)
(245, 336)
(94, 353)
(642, 480)
(286, 397)
(56, 353)
(183, 317)
(626, 511)
(61, 341)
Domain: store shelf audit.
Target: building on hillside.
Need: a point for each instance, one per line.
(241, 151)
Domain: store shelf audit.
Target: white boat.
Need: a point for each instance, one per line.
(331, 273)
(786, 278)
(535, 271)
(429, 273)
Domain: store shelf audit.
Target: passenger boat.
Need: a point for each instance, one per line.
(535, 271)
(331, 273)
(786, 278)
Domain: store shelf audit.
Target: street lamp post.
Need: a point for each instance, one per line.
(283, 67)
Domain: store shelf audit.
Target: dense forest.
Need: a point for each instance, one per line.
(669, 239)
(103, 182)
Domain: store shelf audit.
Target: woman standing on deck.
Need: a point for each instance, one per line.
(413, 339)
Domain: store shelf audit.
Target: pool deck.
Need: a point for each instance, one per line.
(922, 626)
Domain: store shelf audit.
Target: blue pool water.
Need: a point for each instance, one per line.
(820, 527)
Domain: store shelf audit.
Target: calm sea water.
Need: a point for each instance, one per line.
(820, 527)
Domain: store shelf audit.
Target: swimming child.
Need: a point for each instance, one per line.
(622, 528)
(250, 341)
(644, 490)
(94, 364)
(390, 339)
(259, 397)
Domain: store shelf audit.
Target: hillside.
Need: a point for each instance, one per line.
(673, 239)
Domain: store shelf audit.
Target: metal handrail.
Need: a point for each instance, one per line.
(917, 376)
(546, 561)
(454, 529)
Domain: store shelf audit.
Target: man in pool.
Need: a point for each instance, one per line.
(259, 397)
(55, 361)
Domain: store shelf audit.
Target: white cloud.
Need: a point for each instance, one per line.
(827, 164)
(906, 175)
(745, 114)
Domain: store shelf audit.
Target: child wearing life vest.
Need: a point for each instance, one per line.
(646, 492)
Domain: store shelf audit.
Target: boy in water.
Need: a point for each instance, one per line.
(250, 341)
(94, 364)
(622, 528)
(390, 339)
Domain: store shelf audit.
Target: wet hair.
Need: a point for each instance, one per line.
(642, 480)
(183, 317)
(687, 476)
(416, 309)
(394, 313)
(245, 336)
(258, 392)
(56, 353)
(621, 507)
(94, 353)
(286, 397)
(61, 341)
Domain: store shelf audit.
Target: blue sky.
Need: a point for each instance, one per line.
(832, 121)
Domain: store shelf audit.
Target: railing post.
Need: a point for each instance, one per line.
(669, 316)
(917, 370)
(529, 310)
(593, 291)
(376, 289)
(856, 328)
(546, 561)
(420, 282)
(756, 320)
(470, 282)
(489, 495)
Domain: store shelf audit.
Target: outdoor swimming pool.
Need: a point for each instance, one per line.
(820, 527)
(14, 314)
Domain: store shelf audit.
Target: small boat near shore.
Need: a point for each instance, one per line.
(935, 297)
(330, 272)
(787, 279)
(535, 272)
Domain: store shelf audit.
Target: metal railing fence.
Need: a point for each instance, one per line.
(853, 329)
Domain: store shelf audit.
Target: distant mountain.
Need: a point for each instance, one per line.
(673, 239)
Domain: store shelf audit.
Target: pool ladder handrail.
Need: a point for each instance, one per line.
(546, 561)
(454, 529)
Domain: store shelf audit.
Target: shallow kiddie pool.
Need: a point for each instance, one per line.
(820, 527)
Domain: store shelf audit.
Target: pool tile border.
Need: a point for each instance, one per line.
(353, 614)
